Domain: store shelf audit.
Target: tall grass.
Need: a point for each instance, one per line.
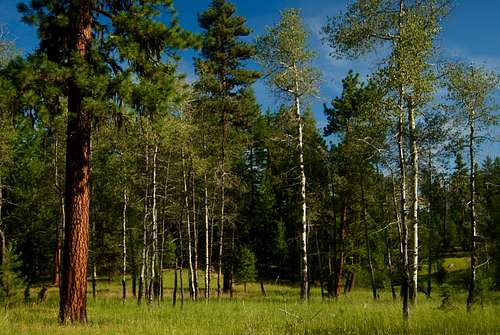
(280, 312)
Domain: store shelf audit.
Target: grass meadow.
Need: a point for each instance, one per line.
(280, 312)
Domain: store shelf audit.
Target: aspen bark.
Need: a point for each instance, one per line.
(124, 244)
(73, 289)
(473, 223)
(405, 287)
(207, 251)
(190, 252)
(415, 203)
(144, 235)
(195, 238)
(154, 232)
(304, 289)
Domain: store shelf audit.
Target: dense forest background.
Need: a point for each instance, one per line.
(197, 177)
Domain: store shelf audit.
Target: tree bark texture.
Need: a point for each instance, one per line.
(73, 290)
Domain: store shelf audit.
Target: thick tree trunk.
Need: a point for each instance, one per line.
(124, 245)
(415, 204)
(221, 232)
(304, 289)
(73, 289)
(473, 224)
(367, 239)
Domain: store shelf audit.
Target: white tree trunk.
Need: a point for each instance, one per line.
(207, 251)
(190, 252)
(404, 224)
(124, 244)
(195, 238)
(414, 208)
(474, 235)
(144, 235)
(154, 230)
(304, 292)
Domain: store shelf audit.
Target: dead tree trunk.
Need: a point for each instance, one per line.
(73, 289)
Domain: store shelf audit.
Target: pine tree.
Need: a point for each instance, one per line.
(88, 42)
(222, 79)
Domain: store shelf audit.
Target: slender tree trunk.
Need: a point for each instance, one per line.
(221, 231)
(142, 276)
(192, 288)
(414, 206)
(154, 232)
(2, 234)
(473, 223)
(405, 286)
(429, 233)
(339, 271)
(304, 289)
(124, 245)
(174, 293)
(73, 289)
(207, 252)
(195, 237)
(368, 248)
(56, 278)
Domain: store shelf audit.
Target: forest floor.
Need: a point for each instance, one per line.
(280, 312)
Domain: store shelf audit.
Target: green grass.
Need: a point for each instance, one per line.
(281, 312)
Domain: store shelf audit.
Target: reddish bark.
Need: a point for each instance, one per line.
(73, 288)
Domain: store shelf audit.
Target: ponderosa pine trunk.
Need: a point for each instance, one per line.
(73, 289)
(415, 204)
(473, 230)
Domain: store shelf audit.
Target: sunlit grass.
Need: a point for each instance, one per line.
(280, 312)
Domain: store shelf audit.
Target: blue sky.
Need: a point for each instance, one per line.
(471, 34)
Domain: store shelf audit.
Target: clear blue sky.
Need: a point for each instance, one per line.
(471, 34)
